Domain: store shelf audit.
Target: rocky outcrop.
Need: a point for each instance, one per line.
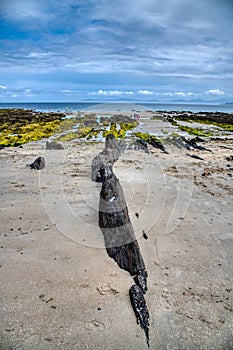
(53, 145)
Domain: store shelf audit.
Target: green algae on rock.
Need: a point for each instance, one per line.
(188, 129)
(18, 126)
(221, 120)
(152, 140)
(89, 128)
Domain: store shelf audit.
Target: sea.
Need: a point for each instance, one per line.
(67, 107)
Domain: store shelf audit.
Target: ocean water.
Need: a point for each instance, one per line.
(117, 107)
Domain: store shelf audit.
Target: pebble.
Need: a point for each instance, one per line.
(48, 339)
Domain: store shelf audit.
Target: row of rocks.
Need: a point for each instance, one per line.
(27, 116)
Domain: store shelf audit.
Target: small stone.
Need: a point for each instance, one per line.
(48, 339)
(9, 329)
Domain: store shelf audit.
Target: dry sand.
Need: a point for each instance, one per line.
(60, 290)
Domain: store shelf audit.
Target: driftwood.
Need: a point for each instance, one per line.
(140, 309)
(114, 222)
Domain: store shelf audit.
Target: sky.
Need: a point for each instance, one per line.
(103, 50)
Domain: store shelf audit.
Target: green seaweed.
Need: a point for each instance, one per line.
(67, 137)
(224, 126)
(147, 137)
(195, 131)
(15, 135)
(208, 119)
(192, 131)
(20, 126)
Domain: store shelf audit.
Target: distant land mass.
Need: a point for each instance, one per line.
(190, 101)
(123, 100)
(151, 100)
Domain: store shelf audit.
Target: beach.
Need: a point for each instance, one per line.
(60, 289)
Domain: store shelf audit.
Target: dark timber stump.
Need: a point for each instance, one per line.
(114, 222)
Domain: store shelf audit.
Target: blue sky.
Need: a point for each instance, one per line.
(76, 50)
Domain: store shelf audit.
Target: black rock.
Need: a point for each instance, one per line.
(53, 146)
(38, 164)
(199, 139)
(142, 145)
(157, 144)
(144, 234)
(194, 156)
(230, 158)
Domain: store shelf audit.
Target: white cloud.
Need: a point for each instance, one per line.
(180, 94)
(21, 9)
(215, 92)
(167, 94)
(3, 87)
(172, 55)
(34, 54)
(145, 92)
(111, 93)
(28, 93)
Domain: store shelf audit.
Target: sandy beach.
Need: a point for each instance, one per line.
(59, 288)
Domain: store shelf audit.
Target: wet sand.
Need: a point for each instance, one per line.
(60, 290)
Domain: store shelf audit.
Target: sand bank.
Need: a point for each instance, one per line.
(60, 290)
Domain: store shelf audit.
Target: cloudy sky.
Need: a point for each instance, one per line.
(75, 50)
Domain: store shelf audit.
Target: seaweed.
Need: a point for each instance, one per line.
(152, 140)
(222, 120)
(21, 126)
(195, 131)
(188, 129)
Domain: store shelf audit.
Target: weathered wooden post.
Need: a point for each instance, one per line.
(117, 229)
